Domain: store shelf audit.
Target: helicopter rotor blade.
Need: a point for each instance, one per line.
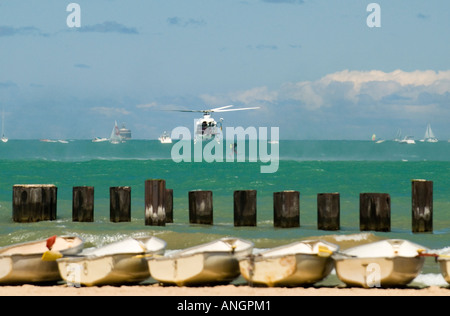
(199, 111)
(221, 108)
(241, 109)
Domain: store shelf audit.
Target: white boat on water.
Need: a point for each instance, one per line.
(409, 140)
(115, 137)
(4, 138)
(398, 136)
(429, 135)
(165, 138)
(299, 263)
(100, 139)
(121, 262)
(211, 263)
(386, 263)
(34, 262)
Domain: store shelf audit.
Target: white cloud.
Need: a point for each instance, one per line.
(351, 95)
(147, 105)
(361, 87)
(252, 96)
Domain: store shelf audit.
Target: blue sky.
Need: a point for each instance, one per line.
(314, 67)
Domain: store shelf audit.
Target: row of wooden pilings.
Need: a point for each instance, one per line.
(32, 203)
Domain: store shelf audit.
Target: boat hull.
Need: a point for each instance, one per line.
(20, 269)
(17, 268)
(444, 264)
(287, 270)
(196, 269)
(212, 263)
(105, 270)
(378, 272)
(122, 262)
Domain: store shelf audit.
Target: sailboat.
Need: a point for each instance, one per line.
(398, 136)
(115, 137)
(4, 139)
(429, 135)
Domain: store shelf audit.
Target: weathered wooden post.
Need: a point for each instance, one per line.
(375, 212)
(422, 206)
(328, 211)
(286, 209)
(34, 203)
(83, 204)
(201, 207)
(169, 205)
(155, 204)
(245, 208)
(120, 204)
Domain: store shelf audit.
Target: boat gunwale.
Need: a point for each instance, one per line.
(80, 256)
(35, 242)
(262, 253)
(184, 253)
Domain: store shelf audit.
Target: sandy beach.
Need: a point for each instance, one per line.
(225, 290)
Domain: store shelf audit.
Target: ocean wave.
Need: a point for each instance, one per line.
(430, 279)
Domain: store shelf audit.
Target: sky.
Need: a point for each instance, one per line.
(316, 69)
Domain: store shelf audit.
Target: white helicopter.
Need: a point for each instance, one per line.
(207, 128)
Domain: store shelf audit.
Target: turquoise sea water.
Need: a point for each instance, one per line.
(310, 167)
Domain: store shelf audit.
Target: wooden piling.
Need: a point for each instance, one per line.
(120, 204)
(34, 203)
(244, 208)
(83, 204)
(155, 205)
(169, 205)
(422, 206)
(375, 212)
(286, 209)
(328, 211)
(201, 207)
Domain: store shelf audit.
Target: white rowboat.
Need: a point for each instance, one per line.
(121, 262)
(298, 263)
(211, 263)
(387, 263)
(26, 263)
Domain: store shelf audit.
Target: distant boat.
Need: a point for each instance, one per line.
(125, 133)
(377, 141)
(4, 139)
(100, 139)
(48, 140)
(429, 135)
(63, 141)
(115, 137)
(408, 140)
(165, 138)
(398, 136)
